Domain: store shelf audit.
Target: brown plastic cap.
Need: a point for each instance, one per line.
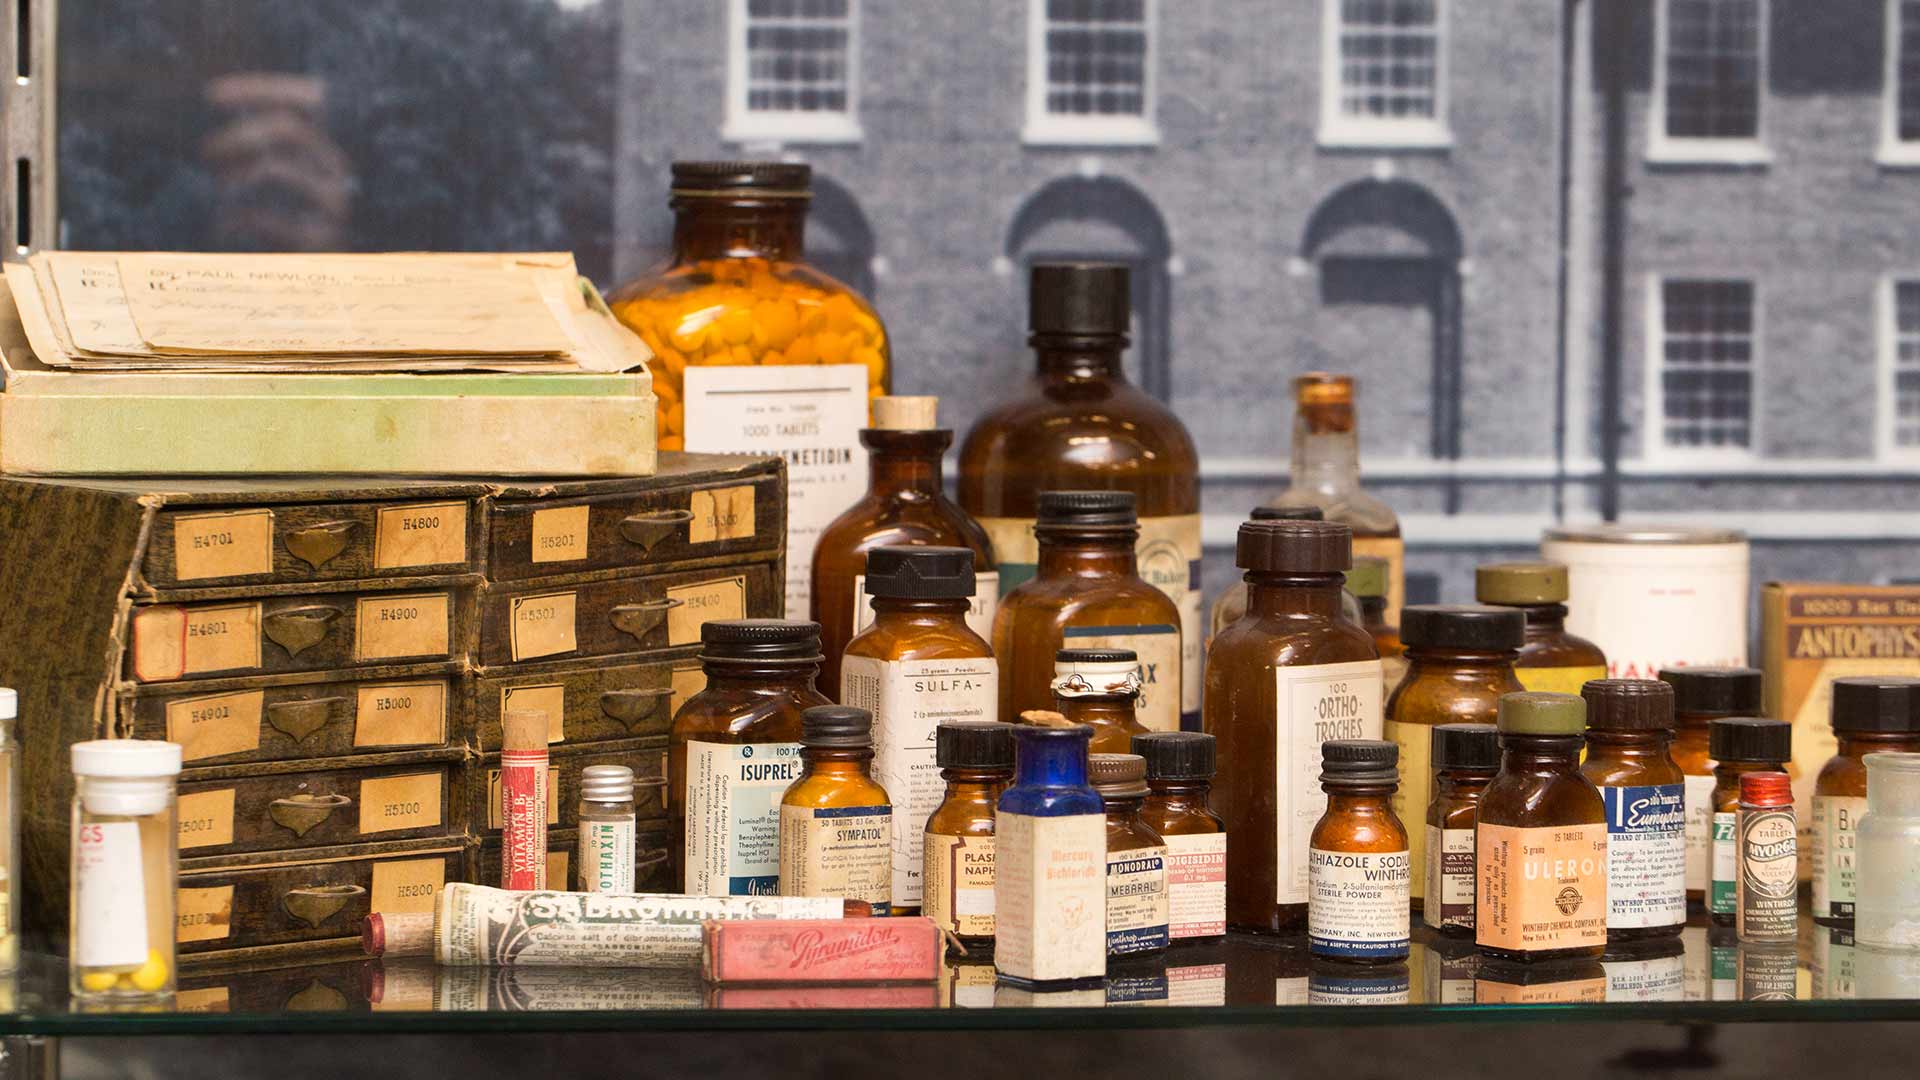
(1520, 583)
(1119, 775)
(1294, 547)
(1628, 705)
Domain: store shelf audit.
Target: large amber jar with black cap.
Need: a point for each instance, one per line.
(906, 503)
(1078, 423)
(1702, 695)
(1551, 659)
(1459, 663)
(755, 350)
(1287, 676)
(1088, 594)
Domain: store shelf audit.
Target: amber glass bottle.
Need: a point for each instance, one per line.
(1870, 715)
(1541, 838)
(1359, 868)
(755, 351)
(1551, 659)
(1465, 758)
(1287, 676)
(906, 503)
(1326, 473)
(1088, 595)
(836, 822)
(1079, 424)
(1098, 688)
(1629, 731)
(976, 761)
(1701, 695)
(1367, 584)
(1739, 745)
(1136, 861)
(1180, 767)
(1232, 601)
(1459, 663)
(733, 749)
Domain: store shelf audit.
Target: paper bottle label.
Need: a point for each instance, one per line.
(1051, 902)
(1410, 799)
(1834, 820)
(1197, 885)
(1558, 680)
(844, 851)
(110, 900)
(1769, 874)
(1726, 865)
(980, 611)
(1541, 888)
(1450, 879)
(606, 856)
(959, 892)
(1699, 832)
(733, 816)
(1312, 704)
(1136, 900)
(1158, 647)
(1646, 855)
(1358, 903)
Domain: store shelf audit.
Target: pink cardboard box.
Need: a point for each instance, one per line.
(773, 951)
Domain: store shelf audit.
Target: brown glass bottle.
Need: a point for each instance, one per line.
(1629, 731)
(1551, 659)
(1465, 759)
(1180, 768)
(1088, 594)
(1232, 601)
(836, 821)
(1700, 695)
(906, 503)
(1286, 677)
(743, 727)
(1367, 583)
(1098, 688)
(1870, 715)
(1459, 664)
(1078, 424)
(1326, 473)
(1136, 861)
(1540, 843)
(1360, 873)
(976, 761)
(1739, 745)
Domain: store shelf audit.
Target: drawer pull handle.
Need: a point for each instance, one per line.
(315, 904)
(639, 620)
(646, 864)
(316, 545)
(299, 719)
(300, 813)
(645, 530)
(301, 628)
(316, 996)
(632, 706)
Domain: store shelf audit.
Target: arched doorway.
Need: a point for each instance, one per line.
(839, 237)
(1106, 219)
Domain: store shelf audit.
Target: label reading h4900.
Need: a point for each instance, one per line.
(733, 816)
(1311, 705)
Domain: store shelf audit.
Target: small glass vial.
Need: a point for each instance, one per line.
(1465, 759)
(1740, 745)
(1180, 767)
(1136, 861)
(976, 761)
(836, 823)
(1098, 688)
(125, 869)
(1551, 659)
(1700, 696)
(1871, 714)
(9, 831)
(1887, 914)
(1629, 728)
(1050, 845)
(607, 840)
(1767, 908)
(1541, 839)
(1358, 868)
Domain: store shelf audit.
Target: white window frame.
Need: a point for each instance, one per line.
(744, 125)
(1044, 128)
(1654, 449)
(1894, 150)
(1886, 412)
(1337, 129)
(1665, 149)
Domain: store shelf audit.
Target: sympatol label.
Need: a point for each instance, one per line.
(1136, 900)
(1197, 885)
(1358, 902)
(958, 892)
(1769, 874)
(1699, 832)
(1834, 819)
(1450, 881)
(1051, 903)
(1311, 705)
(733, 816)
(1158, 647)
(1726, 865)
(844, 851)
(1415, 790)
(980, 610)
(1646, 855)
(1541, 888)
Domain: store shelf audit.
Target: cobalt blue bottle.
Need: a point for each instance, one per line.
(1050, 864)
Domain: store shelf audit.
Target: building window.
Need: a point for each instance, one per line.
(1711, 76)
(1090, 72)
(1704, 354)
(1900, 131)
(1383, 73)
(793, 71)
(1903, 353)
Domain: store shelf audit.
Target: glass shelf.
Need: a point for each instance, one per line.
(1704, 978)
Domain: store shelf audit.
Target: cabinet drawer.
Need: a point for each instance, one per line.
(620, 615)
(563, 849)
(325, 895)
(333, 987)
(589, 703)
(297, 633)
(317, 807)
(308, 720)
(646, 757)
(200, 547)
(635, 529)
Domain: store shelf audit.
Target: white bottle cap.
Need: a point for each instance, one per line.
(9, 703)
(127, 758)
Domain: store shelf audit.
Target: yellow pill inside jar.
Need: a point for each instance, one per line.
(153, 974)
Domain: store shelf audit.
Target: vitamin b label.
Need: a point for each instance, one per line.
(1542, 888)
(1646, 855)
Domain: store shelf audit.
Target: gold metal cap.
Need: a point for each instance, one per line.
(1520, 583)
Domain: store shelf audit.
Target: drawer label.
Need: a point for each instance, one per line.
(493, 799)
(216, 726)
(558, 866)
(401, 714)
(407, 885)
(430, 534)
(171, 641)
(687, 681)
(207, 999)
(721, 514)
(560, 534)
(206, 819)
(550, 698)
(204, 914)
(543, 625)
(705, 602)
(393, 626)
(235, 544)
(400, 802)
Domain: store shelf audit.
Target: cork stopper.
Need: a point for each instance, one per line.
(524, 729)
(905, 413)
(1536, 712)
(1046, 718)
(1519, 583)
(397, 934)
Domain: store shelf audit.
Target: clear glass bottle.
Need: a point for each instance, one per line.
(733, 749)
(1870, 714)
(607, 838)
(1887, 902)
(1701, 695)
(10, 809)
(1551, 658)
(1326, 473)
(1080, 424)
(1088, 594)
(125, 872)
(1740, 745)
(1098, 688)
(1367, 584)
(976, 761)
(1465, 759)
(905, 503)
(1050, 843)
(836, 822)
(1629, 730)
(1232, 602)
(752, 344)
(1180, 768)
(1359, 870)
(1136, 870)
